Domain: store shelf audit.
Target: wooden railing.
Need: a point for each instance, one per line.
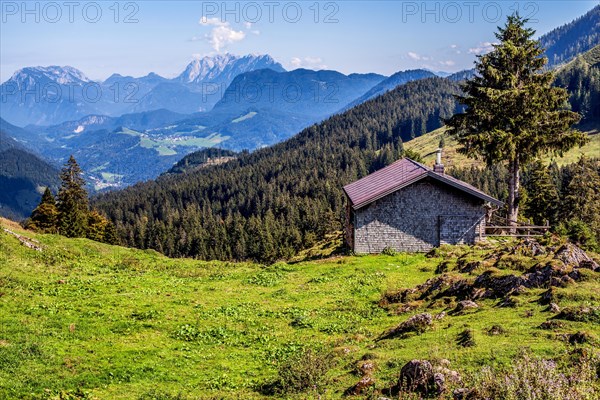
(499, 226)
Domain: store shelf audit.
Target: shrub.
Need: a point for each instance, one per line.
(301, 322)
(532, 378)
(143, 315)
(580, 233)
(466, 338)
(77, 394)
(389, 251)
(266, 278)
(304, 371)
(187, 332)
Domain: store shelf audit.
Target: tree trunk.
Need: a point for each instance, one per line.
(513, 194)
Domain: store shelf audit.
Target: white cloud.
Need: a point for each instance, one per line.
(448, 63)
(455, 49)
(418, 57)
(307, 62)
(414, 56)
(482, 48)
(212, 22)
(248, 26)
(221, 33)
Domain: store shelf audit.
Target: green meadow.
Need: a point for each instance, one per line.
(81, 319)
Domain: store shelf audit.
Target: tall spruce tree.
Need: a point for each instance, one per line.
(513, 113)
(45, 216)
(72, 201)
(543, 201)
(582, 195)
(96, 226)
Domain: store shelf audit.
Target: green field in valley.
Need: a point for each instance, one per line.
(164, 147)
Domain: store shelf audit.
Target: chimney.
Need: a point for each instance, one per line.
(438, 166)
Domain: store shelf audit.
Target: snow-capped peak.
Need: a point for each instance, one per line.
(62, 75)
(223, 67)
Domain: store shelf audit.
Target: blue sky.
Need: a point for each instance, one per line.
(136, 38)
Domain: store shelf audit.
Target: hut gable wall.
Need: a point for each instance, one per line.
(418, 217)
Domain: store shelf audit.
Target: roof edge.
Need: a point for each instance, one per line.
(466, 189)
(387, 192)
(426, 172)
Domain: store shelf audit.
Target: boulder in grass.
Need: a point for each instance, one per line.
(439, 383)
(465, 305)
(419, 376)
(416, 376)
(440, 316)
(548, 296)
(578, 338)
(416, 324)
(464, 394)
(361, 387)
(365, 367)
(530, 247)
(573, 255)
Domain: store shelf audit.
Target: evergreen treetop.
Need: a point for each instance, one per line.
(513, 113)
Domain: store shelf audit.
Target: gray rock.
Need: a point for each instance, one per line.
(465, 304)
(416, 376)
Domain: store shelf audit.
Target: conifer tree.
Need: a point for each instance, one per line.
(45, 216)
(110, 234)
(96, 226)
(582, 200)
(513, 113)
(413, 155)
(543, 201)
(72, 201)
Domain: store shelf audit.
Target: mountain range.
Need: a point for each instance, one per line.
(271, 203)
(120, 151)
(52, 95)
(316, 94)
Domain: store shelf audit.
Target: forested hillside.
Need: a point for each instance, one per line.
(23, 175)
(271, 203)
(565, 42)
(581, 77)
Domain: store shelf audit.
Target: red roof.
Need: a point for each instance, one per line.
(398, 175)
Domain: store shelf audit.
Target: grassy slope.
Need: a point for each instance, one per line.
(427, 144)
(107, 318)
